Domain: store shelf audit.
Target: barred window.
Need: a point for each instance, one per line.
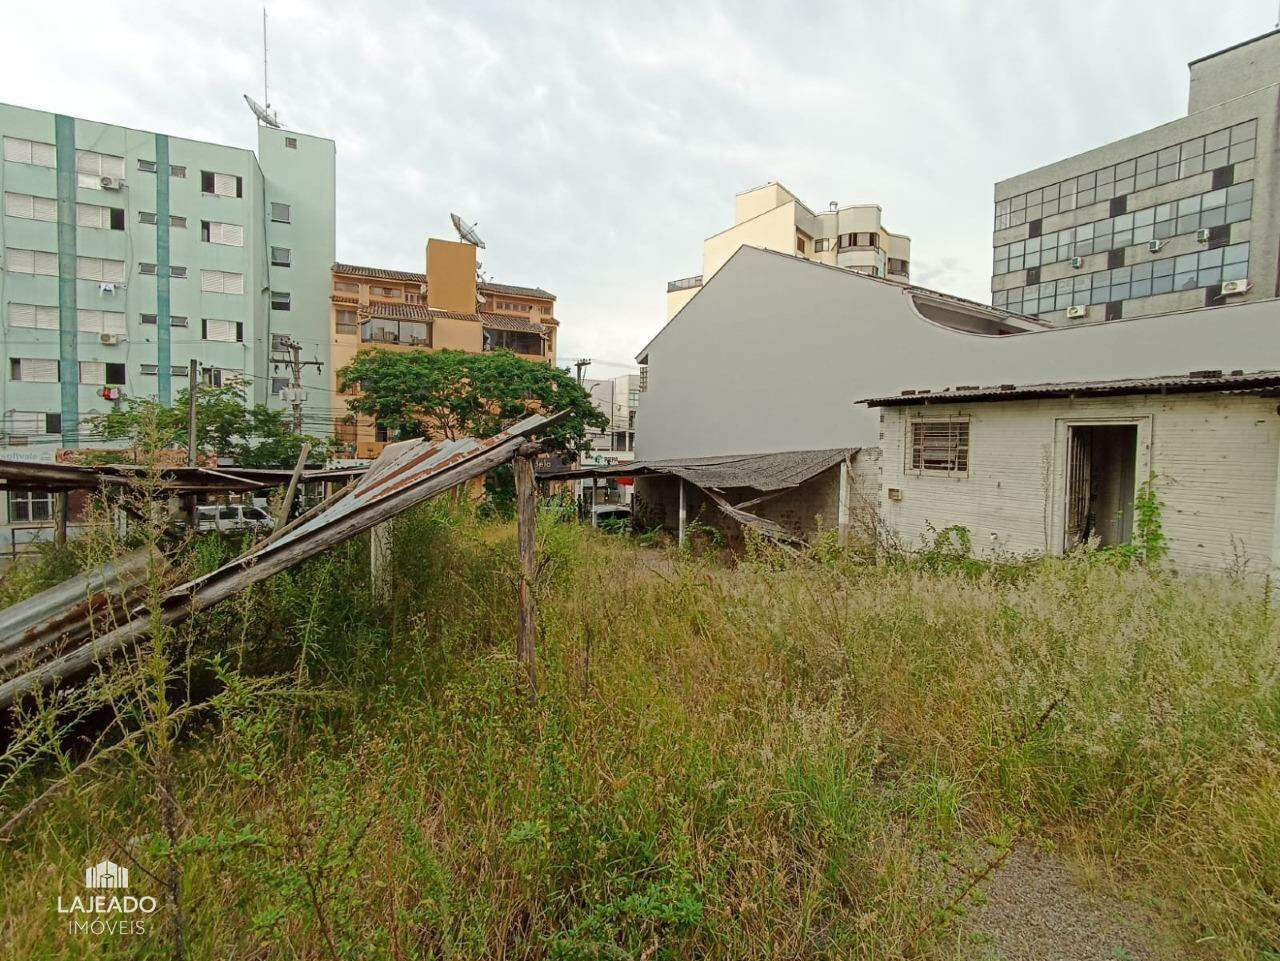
(940, 445)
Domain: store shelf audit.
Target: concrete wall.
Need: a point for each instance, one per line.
(1233, 72)
(1214, 457)
(775, 352)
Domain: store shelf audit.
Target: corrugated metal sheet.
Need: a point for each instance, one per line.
(29, 475)
(1236, 380)
(762, 472)
(404, 475)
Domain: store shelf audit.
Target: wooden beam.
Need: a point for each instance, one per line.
(527, 539)
(283, 516)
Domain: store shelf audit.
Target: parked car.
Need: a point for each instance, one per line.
(612, 517)
(232, 518)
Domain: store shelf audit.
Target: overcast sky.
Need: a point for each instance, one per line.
(597, 144)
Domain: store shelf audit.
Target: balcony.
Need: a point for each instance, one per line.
(688, 283)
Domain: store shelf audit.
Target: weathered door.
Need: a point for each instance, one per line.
(1078, 478)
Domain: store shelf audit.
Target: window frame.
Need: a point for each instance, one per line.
(917, 463)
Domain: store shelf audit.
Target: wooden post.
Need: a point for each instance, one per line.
(60, 512)
(527, 531)
(283, 517)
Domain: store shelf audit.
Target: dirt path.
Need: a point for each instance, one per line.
(1035, 910)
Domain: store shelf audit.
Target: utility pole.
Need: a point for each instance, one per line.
(283, 343)
(191, 414)
(582, 363)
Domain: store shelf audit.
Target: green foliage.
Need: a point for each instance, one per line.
(226, 426)
(796, 759)
(1149, 545)
(451, 394)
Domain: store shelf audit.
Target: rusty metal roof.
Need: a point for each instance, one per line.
(763, 472)
(405, 474)
(409, 276)
(1236, 381)
(28, 475)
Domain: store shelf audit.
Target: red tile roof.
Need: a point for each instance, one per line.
(406, 276)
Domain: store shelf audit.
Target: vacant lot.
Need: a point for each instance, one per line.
(782, 758)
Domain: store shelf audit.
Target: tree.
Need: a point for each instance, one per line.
(226, 426)
(451, 394)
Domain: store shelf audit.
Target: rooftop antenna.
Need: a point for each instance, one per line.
(466, 231)
(263, 112)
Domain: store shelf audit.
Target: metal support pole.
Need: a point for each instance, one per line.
(683, 515)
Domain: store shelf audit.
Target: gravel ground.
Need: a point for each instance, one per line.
(1036, 911)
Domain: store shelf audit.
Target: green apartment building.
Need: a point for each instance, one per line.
(125, 254)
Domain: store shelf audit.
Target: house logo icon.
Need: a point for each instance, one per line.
(106, 874)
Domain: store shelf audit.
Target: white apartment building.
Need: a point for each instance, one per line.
(771, 217)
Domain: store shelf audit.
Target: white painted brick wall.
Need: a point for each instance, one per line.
(1214, 456)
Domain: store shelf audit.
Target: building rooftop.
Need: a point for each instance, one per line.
(1236, 381)
(412, 277)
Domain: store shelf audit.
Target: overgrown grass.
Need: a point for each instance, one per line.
(786, 758)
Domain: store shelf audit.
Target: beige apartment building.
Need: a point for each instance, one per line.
(773, 218)
(446, 308)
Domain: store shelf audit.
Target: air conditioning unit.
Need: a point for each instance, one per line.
(1079, 310)
(111, 183)
(106, 288)
(1202, 235)
(1077, 262)
(109, 340)
(1155, 246)
(1236, 287)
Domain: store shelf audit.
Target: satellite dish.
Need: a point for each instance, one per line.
(262, 113)
(466, 231)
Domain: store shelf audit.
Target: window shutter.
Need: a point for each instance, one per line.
(93, 372)
(20, 261)
(113, 322)
(88, 162)
(233, 235)
(38, 369)
(89, 321)
(47, 318)
(89, 268)
(22, 315)
(45, 208)
(233, 283)
(211, 281)
(89, 215)
(17, 151)
(224, 185)
(46, 263)
(19, 205)
(113, 271)
(44, 154)
(26, 422)
(220, 330)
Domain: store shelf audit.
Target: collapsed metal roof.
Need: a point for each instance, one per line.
(405, 474)
(29, 475)
(1237, 381)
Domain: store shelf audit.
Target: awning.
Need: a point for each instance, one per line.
(761, 472)
(766, 474)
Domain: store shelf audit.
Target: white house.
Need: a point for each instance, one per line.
(1041, 468)
(775, 351)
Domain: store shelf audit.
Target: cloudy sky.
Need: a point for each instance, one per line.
(597, 144)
